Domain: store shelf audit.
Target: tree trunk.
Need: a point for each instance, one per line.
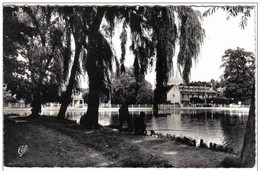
(67, 95)
(36, 99)
(36, 105)
(159, 98)
(248, 151)
(90, 120)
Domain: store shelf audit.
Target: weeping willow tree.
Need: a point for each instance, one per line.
(190, 36)
(154, 33)
(76, 26)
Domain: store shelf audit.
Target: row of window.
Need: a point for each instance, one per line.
(194, 89)
(186, 96)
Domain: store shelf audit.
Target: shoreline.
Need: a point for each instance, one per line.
(7, 110)
(69, 145)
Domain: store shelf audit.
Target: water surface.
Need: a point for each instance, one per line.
(223, 127)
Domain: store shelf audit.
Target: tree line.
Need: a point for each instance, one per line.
(123, 87)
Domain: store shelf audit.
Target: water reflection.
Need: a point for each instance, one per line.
(221, 127)
(226, 127)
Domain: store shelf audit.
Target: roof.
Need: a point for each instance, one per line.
(169, 88)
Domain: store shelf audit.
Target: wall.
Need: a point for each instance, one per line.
(177, 96)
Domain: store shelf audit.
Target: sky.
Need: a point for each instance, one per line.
(221, 34)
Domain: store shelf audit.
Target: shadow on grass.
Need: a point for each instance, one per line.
(146, 160)
(112, 145)
(232, 162)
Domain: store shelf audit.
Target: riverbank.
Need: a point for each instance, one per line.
(53, 143)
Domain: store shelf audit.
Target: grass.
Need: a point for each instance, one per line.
(46, 147)
(232, 162)
(63, 143)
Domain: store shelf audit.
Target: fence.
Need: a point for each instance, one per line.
(17, 105)
(108, 105)
(131, 106)
(57, 105)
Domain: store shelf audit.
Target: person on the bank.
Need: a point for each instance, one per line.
(139, 125)
(124, 116)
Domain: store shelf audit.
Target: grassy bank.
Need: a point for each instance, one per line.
(65, 144)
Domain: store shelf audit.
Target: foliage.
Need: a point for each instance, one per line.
(145, 93)
(7, 99)
(218, 100)
(215, 84)
(196, 100)
(124, 88)
(191, 38)
(189, 34)
(50, 93)
(36, 66)
(248, 151)
(14, 40)
(104, 97)
(239, 73)
(233, 11)
(153, 34)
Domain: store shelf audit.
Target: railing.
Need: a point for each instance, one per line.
(16, 105)
(132, 106)
(57, 105)
(107, 105)
(169, 106)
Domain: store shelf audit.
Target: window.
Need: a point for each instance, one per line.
(173, 95)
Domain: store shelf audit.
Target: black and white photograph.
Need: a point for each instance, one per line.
(129, 85)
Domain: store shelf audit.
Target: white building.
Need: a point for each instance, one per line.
(179, 94)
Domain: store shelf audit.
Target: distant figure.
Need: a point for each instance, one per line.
(139, 125)
(124, 115)
(155, 109)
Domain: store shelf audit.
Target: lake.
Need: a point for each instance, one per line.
(223, 127)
